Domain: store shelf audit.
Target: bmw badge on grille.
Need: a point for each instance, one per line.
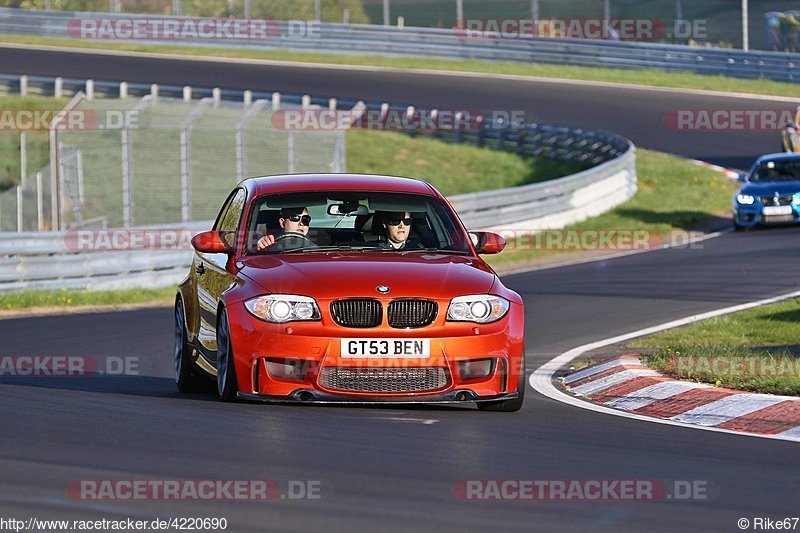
(383, 289)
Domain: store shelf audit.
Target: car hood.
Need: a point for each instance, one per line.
(335, 275)
(768, 188)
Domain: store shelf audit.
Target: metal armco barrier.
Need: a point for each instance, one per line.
(453, 44)
(50, 260)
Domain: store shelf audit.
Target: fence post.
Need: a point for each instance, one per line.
(125, 146)
(54, 222)
(58, 87)
(241, 156)
(292, 152)
(187, 93)
(23, 157)
(79, 164)
(216, 96)
(19, 208)
(276, 101)
(186, 158)
(123, 89)
(186, 177)
(90, 89)
(39, 202)
(23, 85)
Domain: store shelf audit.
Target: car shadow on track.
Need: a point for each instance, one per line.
(146, 386)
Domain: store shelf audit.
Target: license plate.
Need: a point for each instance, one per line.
(778, 210)
(361, 348)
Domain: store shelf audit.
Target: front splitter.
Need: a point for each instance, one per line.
(321, 398)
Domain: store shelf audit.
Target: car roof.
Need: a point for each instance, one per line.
(337, 182)
(781, 156)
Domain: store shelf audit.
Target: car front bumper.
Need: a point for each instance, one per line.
(314, 348)
(753, 215)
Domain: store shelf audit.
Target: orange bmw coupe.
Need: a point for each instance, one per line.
(348, 288)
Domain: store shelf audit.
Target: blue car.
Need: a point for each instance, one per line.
(771, 193)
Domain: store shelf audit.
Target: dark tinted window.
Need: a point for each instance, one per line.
(779, 170)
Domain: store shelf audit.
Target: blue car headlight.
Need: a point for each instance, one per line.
(745, 199)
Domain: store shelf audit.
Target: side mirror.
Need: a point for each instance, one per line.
(210, 242)
(742, 177)
(487, 242)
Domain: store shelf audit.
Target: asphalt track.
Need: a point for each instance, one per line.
(395, 469)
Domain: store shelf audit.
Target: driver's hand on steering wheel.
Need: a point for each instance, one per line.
(265, 242)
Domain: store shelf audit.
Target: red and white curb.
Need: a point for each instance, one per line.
(658, 403)
(732, 174)
(625, 383)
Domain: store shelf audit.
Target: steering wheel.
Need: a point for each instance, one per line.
(294, 240)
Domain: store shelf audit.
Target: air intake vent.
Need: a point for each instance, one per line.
(383, 380)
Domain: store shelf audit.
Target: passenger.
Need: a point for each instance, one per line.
(398, 230)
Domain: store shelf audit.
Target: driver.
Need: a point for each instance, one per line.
(295, 222)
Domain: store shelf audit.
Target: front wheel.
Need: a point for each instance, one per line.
(185, 378)
(509, 406)
(226, 374)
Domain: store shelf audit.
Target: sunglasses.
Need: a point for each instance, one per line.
(303, 219)
(396, 221)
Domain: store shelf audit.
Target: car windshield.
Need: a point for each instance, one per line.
(318, 222)
(788, 170)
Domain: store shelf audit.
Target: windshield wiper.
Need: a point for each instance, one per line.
(434, 251)
(323, 249)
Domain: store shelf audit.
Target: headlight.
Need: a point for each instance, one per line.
(480, 308)
(281, 308)
(745, 199)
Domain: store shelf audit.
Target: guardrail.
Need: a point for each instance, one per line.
(454, 44)
(48, 260)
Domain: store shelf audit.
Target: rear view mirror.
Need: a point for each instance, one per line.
(487, 242)
(348, 209)
(210, 242)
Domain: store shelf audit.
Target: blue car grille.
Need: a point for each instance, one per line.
(781, 200)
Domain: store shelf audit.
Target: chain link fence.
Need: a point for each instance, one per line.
(154, 160)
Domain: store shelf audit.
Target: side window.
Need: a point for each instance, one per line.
(230, 215)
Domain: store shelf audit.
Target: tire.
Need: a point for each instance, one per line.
(737, 226)
(508, 406)
(227, 386)
(186, 379)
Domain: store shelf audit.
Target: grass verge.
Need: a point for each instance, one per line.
(69, 299)
(451, 168)
(675, 199)
(754, 350)
(638, 77)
